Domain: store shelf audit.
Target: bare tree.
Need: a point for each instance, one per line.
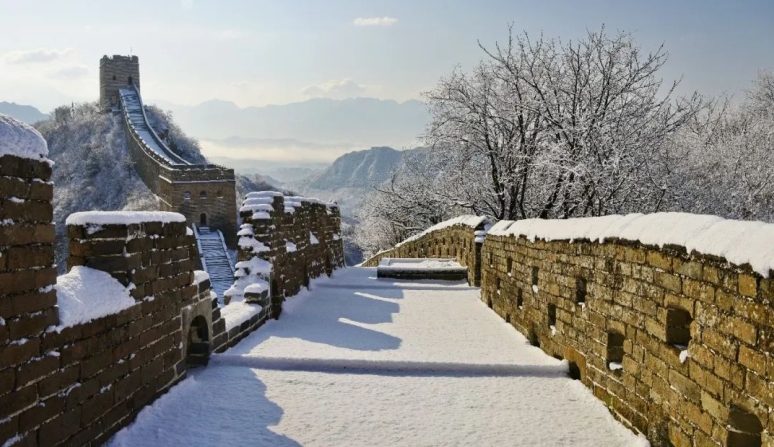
(546, 129)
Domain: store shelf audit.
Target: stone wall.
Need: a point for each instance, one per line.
(678, 345)
(461, 242)
(189, 190)
(205, 196)
(78, 384)
(298, 237)
(116, 72)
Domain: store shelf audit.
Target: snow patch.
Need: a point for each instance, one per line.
(84, 294)
(21, 140)
(739, 242)
(200, 276)
(290, 247)
(248, 242)
(256, 288)
(467, 220)
(238, 312)
(122, 217)
(313, 239)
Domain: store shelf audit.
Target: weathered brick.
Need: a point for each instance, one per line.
(748, 285)
(60, 428)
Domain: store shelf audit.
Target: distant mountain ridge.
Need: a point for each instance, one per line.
(359, 169)
(319, 120)
(21, 112)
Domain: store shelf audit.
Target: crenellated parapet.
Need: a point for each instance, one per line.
(298, 238)
(81, 354)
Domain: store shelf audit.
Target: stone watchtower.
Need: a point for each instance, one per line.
(115, 72)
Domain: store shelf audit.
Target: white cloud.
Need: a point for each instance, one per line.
(375, 21)
(41, 55)
(345, 88)
(71, 72)
(228, 34)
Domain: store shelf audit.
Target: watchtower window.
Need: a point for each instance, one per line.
(552, 315)
(203, 220)
(580, 290)
(678, 327)
(744, 429)
(220, 193)
(509, 266)
(114, 77)
(129, 81)
(519, 298)
(615, 351)
(187, 195)
(203, 195)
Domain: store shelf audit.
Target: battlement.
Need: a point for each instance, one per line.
(83, 353)
(283, 243)
(115, 72)
(118, 58)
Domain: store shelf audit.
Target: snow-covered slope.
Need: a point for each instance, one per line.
(92, 167)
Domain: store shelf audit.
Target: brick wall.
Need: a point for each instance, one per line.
(458, 242)
(622, 303)
(287, 222)
(79, 384)
(189, 190)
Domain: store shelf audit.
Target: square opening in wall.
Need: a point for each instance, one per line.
(552, 315)
(580, 290)
(615, 351)
(678, 327)
(535, 272)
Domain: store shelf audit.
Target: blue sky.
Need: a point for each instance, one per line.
(276, 52)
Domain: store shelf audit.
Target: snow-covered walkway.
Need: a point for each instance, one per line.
(358, 361)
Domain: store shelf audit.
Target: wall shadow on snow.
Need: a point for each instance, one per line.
(319, 320)
(233, 401)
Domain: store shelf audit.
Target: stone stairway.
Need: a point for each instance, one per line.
(216, 260)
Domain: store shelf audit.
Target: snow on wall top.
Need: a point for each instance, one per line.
(21, 140)
(739, 242)
(122, 217)
(469, 220)
(259, 194)
(254, 200)
(84, 294)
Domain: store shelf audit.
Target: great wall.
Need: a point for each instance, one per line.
(676, 339)
(677, 342)
(82, 354)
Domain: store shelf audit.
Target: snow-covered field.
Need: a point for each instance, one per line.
(364, 362)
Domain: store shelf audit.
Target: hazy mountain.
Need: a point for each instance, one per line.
(319, 120)
(359, 169)
(28, 114)
(352, 175)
